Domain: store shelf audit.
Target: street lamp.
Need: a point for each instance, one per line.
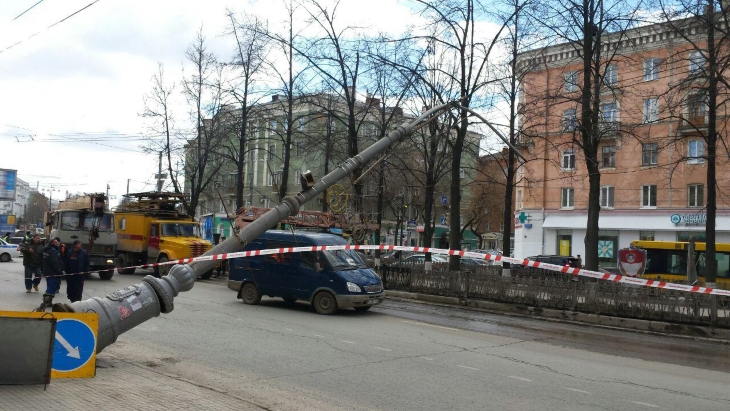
(50, 197)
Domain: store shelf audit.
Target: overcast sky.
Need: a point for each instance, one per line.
(85, 79)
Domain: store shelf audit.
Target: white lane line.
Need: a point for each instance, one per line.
(646, 404)
(348, 342)
(576, 390)
(382, 349)
(427, 359)
(289, 329)
(430, 325)
(519, 378)
(468, 368)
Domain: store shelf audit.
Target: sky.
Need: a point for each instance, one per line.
(72, 93)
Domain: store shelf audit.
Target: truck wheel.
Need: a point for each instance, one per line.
(325, 303)
(106, 274)
(123, 262)
(250, 294)
(163, 269)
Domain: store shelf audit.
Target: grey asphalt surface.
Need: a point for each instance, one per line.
(404, 356)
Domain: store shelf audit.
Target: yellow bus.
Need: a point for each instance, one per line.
(667, 261)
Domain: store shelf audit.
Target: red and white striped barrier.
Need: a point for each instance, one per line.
(493, 257)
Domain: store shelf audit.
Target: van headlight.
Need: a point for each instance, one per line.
(353, 288)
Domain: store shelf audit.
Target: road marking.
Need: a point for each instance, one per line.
(427, 359)
(429, 325)
(519, 378)
(348, 342)
(576, 390)
(382, 349)
(646, 404)
(468, 368)
(289, 329)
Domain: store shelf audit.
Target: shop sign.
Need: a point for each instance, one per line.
(689, 219)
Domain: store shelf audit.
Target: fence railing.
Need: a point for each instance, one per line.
(549, 289)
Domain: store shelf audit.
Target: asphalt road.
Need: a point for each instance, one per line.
(406, 356)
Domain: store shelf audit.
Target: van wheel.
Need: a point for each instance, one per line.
(250, 294)
(365, 308)
(325, 303)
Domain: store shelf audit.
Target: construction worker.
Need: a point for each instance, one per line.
(52, 270)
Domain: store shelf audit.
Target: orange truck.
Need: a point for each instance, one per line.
(152, 228)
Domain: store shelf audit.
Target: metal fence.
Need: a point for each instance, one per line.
(549, 289)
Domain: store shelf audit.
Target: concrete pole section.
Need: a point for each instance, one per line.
(123, 310)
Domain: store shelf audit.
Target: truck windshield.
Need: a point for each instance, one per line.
(344, 259)
(83, 220)
(180, 230)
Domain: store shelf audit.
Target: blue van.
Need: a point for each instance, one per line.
(329, 280)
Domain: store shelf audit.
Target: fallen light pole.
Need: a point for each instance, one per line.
(124, 309)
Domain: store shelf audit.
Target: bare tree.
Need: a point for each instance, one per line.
(204, 93)
(700, 96)
(248, 63)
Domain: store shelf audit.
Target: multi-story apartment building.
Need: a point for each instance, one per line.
(651, 154)
(319, 144)
(20, 205)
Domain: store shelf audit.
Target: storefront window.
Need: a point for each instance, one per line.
(684, 236)
(647, 235)
(607, 247)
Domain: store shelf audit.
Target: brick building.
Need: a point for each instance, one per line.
(651, 154)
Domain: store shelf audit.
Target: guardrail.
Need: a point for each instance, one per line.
(550, 289)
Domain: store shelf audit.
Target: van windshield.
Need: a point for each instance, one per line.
(344, 259)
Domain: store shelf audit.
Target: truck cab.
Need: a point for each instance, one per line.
(95, 233)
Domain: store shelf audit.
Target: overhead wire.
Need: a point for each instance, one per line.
(52, 25)
(27, 10)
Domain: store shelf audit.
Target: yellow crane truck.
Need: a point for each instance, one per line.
(152, 228)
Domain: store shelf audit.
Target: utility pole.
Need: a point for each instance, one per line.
(159, 176)
(128, 185)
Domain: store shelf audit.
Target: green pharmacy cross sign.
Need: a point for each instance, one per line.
(605, 249)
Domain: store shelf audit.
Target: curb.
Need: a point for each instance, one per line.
(710, 333)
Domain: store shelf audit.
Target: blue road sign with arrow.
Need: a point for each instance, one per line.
(75, 345)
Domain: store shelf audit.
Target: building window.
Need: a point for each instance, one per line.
(651, 69)
(651, 110)
(298, 148)
(272, 152)
(609, 112)
(607, 196)
(570, 120)
(254, 131)
(608, 156)
(272, 126)
(611, 76)
(283, 151)
(695, 152)
(568, 160)
(648, 196)
(297, 177)
(570, 81)
(501, 226)
(695, 195)
(519, 199)
(649, 154)
(696, 62)
(486, 226)
(647, 235)
(300, 125)
(461, 173)
(567, 198)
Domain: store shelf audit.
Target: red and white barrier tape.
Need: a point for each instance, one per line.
(497, 258)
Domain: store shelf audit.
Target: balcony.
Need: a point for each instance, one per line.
(693, 124)
(610, 130)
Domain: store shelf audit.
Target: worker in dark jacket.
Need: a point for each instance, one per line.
(76, 262)
(32, 262)
(52, 270)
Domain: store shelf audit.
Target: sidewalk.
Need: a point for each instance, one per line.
(121, 385)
